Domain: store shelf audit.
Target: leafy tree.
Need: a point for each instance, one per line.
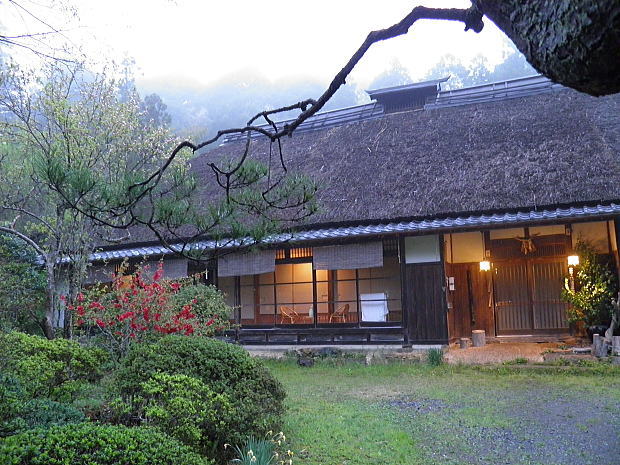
(591, 301)
(155, 112)
(397, 75)
(22, 293)
(67, 128)
(479, 70)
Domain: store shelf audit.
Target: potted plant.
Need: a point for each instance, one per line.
(591, 293)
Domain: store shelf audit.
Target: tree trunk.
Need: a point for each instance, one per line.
(48, 320)
(573, 42)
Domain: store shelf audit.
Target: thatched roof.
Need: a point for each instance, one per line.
(542, 150)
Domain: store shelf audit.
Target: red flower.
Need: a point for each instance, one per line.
(80, 297)
(100, 323)
(80, 310)
(159, 273)
(125, 315)
(96, 305)
(210, 322)
(80, 322)
(157, 316)
(132, 335)
(175, 286)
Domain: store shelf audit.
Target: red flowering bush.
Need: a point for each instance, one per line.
(139, 307)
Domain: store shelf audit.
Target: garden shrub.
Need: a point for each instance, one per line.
(49, 368)
(185, 408)
(93, 444)
(23, 291)
(11, 401)
(140, 308)
(255, 396)
(18, 413)
(43, 413)
(434, 357)
(596, 287)
(207, 303)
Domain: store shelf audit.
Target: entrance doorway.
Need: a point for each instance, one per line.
(528, 296)
(528, 277)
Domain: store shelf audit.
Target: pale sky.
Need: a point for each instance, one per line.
(204, 41)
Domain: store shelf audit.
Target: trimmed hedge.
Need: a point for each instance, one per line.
(91, 444)
(18, 413)
(53, 369)
(253, 397)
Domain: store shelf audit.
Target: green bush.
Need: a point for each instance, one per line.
(23, 291)
(54, 369)
(18, 413)
(596, 287)
(207, 302)
(92, 444)
(255, 396)
(434, 357)
(185, 408)
(44, 413)
(11, 401)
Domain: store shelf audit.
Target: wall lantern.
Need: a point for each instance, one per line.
(573, 261)
(485, 265)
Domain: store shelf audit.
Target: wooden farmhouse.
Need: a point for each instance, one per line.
(440, 212)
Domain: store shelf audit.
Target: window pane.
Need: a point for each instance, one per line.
(265, 278)
(247, 305)
(321, 275)
(265, 295)
(227, 286)
(266, 315)
(365, 272)
(284, 273)
(345, 274)
(302, 293)
(322, 292)
(345, 291)
(284, 293)
(302, 272)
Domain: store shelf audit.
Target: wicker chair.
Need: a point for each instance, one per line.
(288, 315)
(340, 314)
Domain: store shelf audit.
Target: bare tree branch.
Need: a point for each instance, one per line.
(26, 239)
(471, 17)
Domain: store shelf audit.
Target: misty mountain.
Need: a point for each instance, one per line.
(200, 111)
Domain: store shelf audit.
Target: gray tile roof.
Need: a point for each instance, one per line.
(403, 227)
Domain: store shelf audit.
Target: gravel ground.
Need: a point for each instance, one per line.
(530, 426)
(498, 353)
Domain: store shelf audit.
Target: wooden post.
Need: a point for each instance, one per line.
(478, 337)
(464, 343)
(599, 346)
(596, 344)
(615, 345)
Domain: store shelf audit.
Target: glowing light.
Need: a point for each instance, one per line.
(485, 265)
(573, 260)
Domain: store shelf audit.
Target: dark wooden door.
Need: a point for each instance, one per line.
(527, 296)
(425, 303)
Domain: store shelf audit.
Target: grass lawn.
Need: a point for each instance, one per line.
(414, 414)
